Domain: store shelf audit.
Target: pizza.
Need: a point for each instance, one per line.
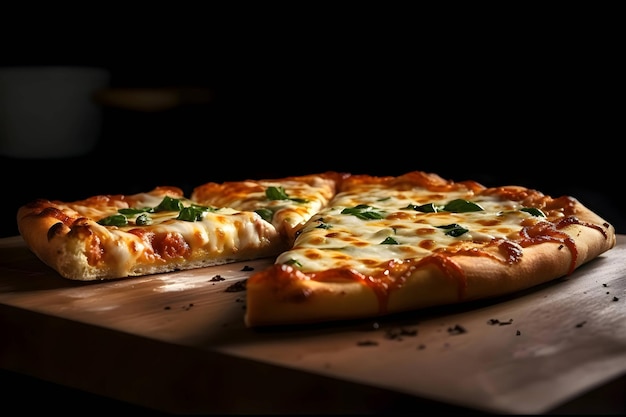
(117, 236)
(385, 245)
(344, 246)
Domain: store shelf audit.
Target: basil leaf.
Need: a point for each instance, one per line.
(192, 213)
(279, 193)
(143, 220)
(265, 213)
(454, 229)
(389, 241)
(293, 262)
(462, 206)
(132, 211)
(114, 220)
(424, 208)
(534, 211)
(276, 193)
(169, 204)
(364, 212)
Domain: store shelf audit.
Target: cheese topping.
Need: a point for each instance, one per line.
(286, 203)
(336, 239)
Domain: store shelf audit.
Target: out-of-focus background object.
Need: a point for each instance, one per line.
(153, 99)
(50, 111)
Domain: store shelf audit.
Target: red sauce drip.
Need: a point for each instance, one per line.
(393, 275)
(450, 268)
(543, 232)
(511, 250)
(573, 220)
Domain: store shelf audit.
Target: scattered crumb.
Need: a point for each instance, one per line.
(493, 322)
(457, 329)
(217, 278)
(237, 286)
(397, 334)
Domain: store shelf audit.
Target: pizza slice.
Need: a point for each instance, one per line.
(385, 245)
(287, 203)
(117, 236)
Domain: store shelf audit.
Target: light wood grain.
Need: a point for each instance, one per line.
(176, 342)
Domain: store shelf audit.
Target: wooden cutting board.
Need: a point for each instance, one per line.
(177, 342)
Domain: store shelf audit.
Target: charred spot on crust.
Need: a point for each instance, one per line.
(55, 230)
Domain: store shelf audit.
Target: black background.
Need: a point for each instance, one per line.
(546, 119)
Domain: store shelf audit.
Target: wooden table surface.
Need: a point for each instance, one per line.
(177, 343)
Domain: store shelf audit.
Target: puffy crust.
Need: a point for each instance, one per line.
(307, 301)
(39, 232)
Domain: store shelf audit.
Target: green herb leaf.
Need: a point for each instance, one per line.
(132, 211)
(462, 206)
(424, 208)
(293, 262)
(276, 193)
(534, 211)
(265, 213)
(114, 220)
(192, 213)
(364, 212)
(143, 220)
(454, 229)
(389, 241)
(279, 193)
(169, 204)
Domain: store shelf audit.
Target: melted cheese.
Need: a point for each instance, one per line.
(167, 243)
(335, 240)
(306, 196)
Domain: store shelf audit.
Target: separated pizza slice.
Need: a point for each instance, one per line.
(390, 244)
(117, 236)
(287, 203)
